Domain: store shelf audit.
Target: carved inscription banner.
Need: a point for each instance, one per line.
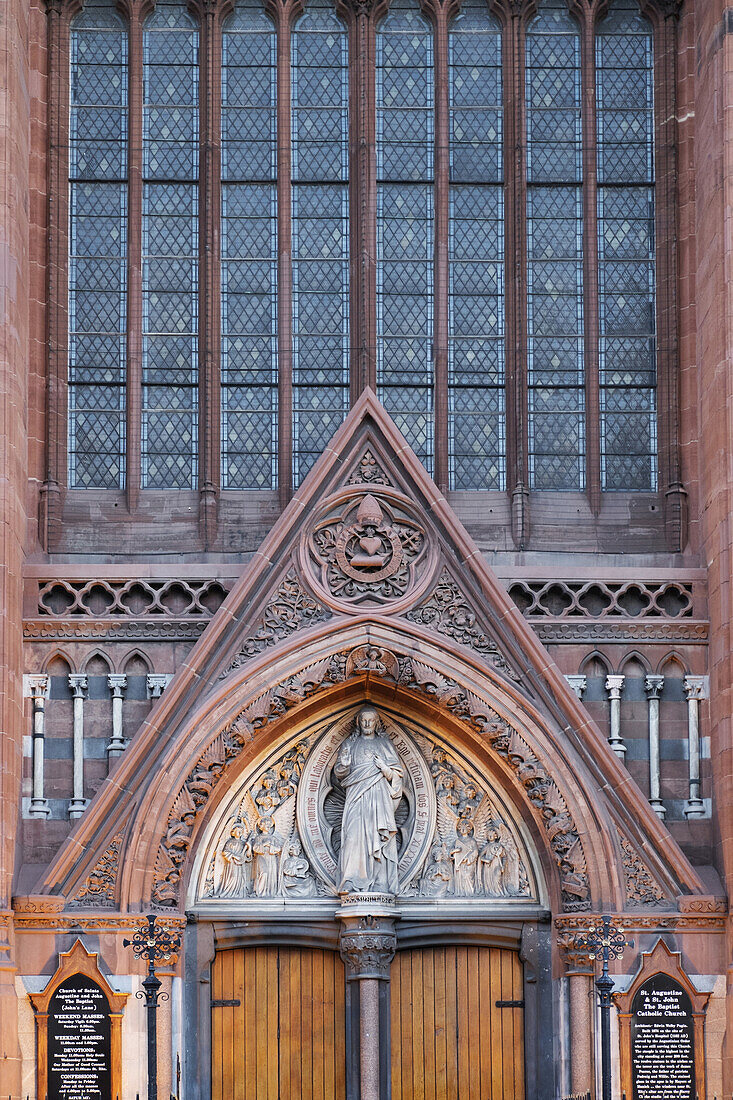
(79, 1042)
(79, 1031)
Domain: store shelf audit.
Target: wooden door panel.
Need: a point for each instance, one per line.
(449, 1040)
(286, 1038)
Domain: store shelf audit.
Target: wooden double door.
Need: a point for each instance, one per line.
(285, 1038)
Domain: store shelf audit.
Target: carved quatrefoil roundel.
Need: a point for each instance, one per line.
(368, 549)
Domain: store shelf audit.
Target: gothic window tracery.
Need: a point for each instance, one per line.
(491, 270)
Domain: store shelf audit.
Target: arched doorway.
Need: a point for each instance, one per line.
(442, 957)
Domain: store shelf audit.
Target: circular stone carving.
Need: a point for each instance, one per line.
(318, 803)
(369, 549)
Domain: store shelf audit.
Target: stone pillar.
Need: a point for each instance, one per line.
(694, 691)
(38, 691)
(653, 686)
(117, 683)
(78, 684)
(580, 976)
(578, 684)
(367, 943)
(157, 683)
(614, 687)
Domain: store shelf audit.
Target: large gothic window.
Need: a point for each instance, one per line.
(97, 248)
(463, 199)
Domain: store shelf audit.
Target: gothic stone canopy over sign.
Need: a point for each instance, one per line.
(364, 804)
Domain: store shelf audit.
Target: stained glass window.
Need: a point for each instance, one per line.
(248, 250)
(555, 358)
(476, 410)
(405, 135)
(626, 262)
(320, 171)
(170, 249)
(97, 248)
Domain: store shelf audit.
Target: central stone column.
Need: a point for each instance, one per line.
(367, 943)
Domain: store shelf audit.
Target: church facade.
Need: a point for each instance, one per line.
(365, 556)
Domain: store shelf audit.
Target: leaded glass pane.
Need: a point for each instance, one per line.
(248, 251)
(97, 247)
(626, 253)
(476, 378)
(320, 155)
(405, 129)
(170, 249)
(555, 358)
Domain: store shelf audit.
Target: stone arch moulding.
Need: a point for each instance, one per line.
(281, 692)
(368, 582)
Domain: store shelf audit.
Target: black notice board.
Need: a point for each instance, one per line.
(662, 1041)
(79, 1043)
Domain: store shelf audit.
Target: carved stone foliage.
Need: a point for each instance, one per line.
(367, 550)
(448, 612)
(367, 945)
(641, 886)
(544, 796)
(98, 890)
(290, 609)
(368, 472)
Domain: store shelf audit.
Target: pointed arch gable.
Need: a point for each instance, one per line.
(281, 644)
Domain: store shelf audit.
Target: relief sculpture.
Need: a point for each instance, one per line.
(262, 856)
(475, 854)
(371, 774)
(367, 807)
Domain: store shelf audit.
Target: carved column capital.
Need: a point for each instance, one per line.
(653, 686)
(78, 683)
(117, 682)
(157, 683)
(696, 687)
(36, 687)
(615, 685)
(367, 945)
(575, 956)
(578, 684)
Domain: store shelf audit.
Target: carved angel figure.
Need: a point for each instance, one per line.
(371, 774)
(267, 848)
(233, 864)
(464, 853)
(484, 857)
(499, 863)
